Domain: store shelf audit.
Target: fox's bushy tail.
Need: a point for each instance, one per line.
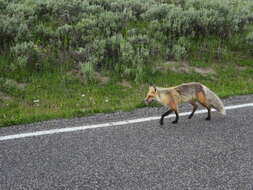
(213, 100)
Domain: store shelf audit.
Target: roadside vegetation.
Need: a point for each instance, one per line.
(70, 58)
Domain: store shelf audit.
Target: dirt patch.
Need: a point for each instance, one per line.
(125, 83)
(204, 71)
(241, 68)
(14, 83)
(77, 74)
(102, 79)
(4, 97)
(184, 67)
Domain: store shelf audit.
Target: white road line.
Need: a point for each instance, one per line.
(117, 123)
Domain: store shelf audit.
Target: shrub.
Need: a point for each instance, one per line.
(88, 71)
(249, 41)
(67, 12)
(157, 12)
(120, 36)
(221, 17)
(44, 35)
(179, 52)
(64, 34)
(3, 5)
(28, 55)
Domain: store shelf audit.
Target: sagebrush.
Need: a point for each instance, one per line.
(123, 36)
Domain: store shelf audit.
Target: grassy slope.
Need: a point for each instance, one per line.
(61, 95)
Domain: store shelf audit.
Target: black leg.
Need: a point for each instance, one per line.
(208, 112)
(177, 116)
(195, 107)
(163, 115)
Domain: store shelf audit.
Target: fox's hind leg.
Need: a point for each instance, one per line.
(177, 116)
(208, 111)
(195, 107)
(202, 100)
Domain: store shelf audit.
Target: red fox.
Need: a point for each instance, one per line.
(187, 92)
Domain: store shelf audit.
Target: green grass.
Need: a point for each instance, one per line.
(62, 96)
(54, 93)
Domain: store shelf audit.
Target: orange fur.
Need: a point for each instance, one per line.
(173, 105)
(201, 97)
(187, 92)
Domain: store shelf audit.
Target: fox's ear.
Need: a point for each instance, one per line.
(152, 85)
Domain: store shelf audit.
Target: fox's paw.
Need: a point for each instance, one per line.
(208, 119)
(161, 122)
(174, 122)
(190, 116)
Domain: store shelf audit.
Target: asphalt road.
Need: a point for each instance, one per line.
(194, 154)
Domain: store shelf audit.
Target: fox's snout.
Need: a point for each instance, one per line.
(148, 100)
(150, 95)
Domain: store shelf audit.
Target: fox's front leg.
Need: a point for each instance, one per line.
(164, 115)
(173, 108)
(173, 105)
(167, 113)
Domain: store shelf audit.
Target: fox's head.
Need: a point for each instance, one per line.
(152, 91)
